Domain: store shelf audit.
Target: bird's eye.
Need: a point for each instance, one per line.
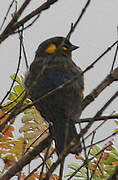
(65, 48)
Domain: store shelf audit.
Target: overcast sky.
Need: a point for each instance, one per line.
(94, 34)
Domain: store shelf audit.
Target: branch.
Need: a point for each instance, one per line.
(13, 25)
(116, 52)
(18, 67)
(101, 118)
(78, 20)
(113, 76)
(9, 29)
(105, 52)
(6, 15)
(107, 104)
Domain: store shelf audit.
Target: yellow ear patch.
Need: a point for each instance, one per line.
(51, 48)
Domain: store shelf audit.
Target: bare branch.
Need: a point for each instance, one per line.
(113, 76)
(9, 29)
(6, 15)
(14, 25)
(101, 118)
(116, 52)
(73, 26)
(106, 51)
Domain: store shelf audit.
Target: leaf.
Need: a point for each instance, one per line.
(116, 131)
(18, 89)
(33, 126)
(17, 149)
(80, 173)
(9, 142)
(115, 163)
(7, 136)
(8, 161)
(95, 150)
(109, 169)
(73, 166)
(52, 177)
(34, 176)
(12, 96)
(17, 79)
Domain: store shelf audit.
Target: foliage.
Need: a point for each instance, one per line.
(33, 125)
(100, 167)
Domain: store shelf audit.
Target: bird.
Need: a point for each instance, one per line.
(51, 68)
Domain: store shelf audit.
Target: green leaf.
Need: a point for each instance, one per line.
(17, 79)
(111, 158)
(80, 173)
(9, 142)
(73, 166)
(95, 150)
(22, 78)
(109, 169)
(27, 118)
(12, 96)
(18, 89)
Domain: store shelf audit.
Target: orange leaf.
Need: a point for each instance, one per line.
(34, 176)
(4, 118)
(53, 177)
(105, 156)
(9, 161)
(17, 148)
(7, 135)
(115, 163)
(79, 157)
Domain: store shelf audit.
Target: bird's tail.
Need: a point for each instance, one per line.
(63, 132)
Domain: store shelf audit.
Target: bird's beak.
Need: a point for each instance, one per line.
(73, 47)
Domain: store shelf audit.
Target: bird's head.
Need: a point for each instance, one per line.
(58, 45)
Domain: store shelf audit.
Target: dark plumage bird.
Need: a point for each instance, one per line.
(52, 67)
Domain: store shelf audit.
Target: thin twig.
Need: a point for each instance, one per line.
(6, 15)
(44, 161)
(9, 29)
(93, 135)
(73, 26)
(95, 168)
(85, 152)
(107, 104)
(34, 170)
(105, 52)
(18, 67)
(29, 25)
(14, 25)
(105, 83)
(61, 169)
(101, 118)
(98, 142)
(116, 52)
(35, 140)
